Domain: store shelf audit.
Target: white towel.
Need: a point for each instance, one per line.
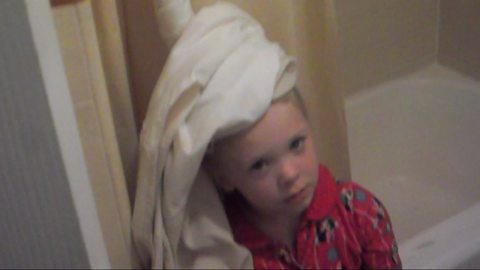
(220, 77)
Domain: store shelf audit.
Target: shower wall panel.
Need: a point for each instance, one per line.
(379, 40)
(459, 40)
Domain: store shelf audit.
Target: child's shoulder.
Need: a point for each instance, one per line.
(352, 186)
(355, 196)
(365, 209)
(342, 183)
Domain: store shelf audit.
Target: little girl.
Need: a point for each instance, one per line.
(225, 82)
(288, 210)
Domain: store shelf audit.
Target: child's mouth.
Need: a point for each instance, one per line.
(299, 196)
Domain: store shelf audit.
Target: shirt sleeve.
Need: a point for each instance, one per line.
(374, 229)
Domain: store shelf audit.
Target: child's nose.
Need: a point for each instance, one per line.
(288, 171)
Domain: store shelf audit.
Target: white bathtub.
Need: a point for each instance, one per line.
(415, 142)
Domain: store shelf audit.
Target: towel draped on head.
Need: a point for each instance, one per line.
(221, 76)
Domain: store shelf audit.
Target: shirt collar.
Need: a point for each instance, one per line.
(325, 196)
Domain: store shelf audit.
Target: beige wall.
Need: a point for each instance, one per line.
(380, 40)
(145, 52)
(459, 42)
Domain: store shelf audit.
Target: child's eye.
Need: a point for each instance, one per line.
(297, 143)
(259, 165)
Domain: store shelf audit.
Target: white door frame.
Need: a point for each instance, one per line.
(61, 106)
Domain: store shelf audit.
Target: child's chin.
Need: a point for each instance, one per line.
(302, 201)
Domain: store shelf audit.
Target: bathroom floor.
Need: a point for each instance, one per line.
(413, 141)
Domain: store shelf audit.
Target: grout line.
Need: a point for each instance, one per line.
(400, 73)
(437, 36)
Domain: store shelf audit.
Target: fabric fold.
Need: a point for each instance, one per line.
(221, 76)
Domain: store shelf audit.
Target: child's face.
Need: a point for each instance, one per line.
(273, 164)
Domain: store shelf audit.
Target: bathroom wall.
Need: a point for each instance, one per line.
(459, 41)
(379, 40)
(39, 227)
(145, 52)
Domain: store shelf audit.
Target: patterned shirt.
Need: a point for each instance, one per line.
(345, 226)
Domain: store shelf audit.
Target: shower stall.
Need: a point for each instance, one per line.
(411, 72)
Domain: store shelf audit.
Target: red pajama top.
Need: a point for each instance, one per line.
(344, 227)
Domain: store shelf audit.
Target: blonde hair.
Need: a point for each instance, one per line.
(294, 97)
